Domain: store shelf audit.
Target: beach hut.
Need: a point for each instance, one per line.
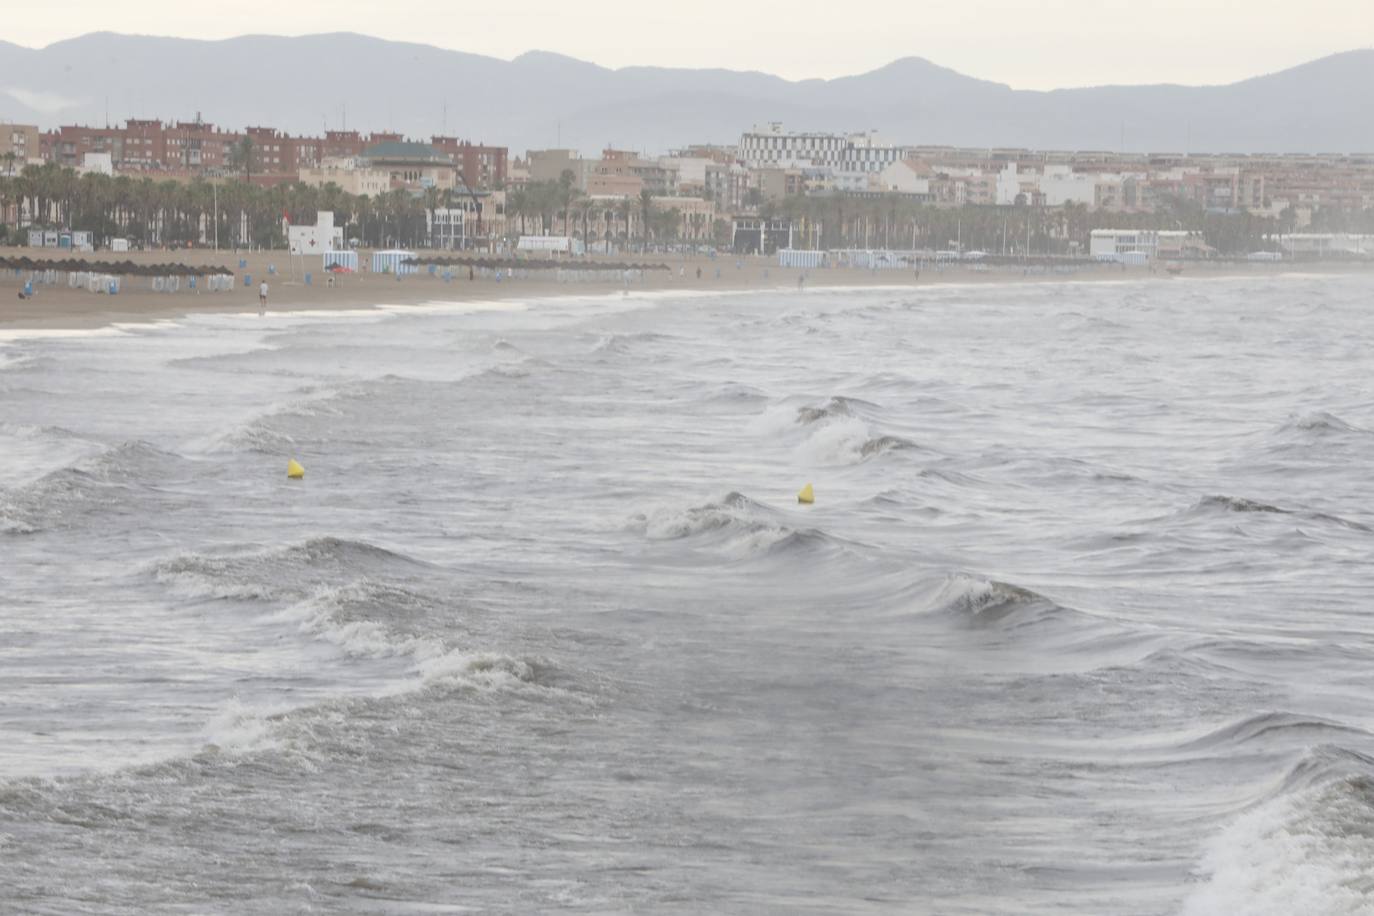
(792, 257)
(393, 261)
(347, 260)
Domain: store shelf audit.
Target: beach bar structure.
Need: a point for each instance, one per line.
(393, 261)
(551, 244)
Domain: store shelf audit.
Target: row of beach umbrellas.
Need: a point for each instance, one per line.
(519, 264)
(116, 268)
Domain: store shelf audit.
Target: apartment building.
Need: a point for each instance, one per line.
(478, 165)
(20, 144)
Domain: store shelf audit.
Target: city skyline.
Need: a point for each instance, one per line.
(1092, 48)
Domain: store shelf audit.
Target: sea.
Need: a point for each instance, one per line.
(1081, 619)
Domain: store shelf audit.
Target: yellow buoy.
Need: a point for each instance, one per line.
(294, 470)
(807, 495)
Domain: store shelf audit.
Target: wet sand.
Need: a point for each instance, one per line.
(60, 306)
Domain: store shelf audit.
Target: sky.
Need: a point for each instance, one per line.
(1027, 44)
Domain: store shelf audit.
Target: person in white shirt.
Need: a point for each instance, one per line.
(262, 298)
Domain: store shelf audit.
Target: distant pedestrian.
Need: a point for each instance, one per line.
(698, 273)
(262, 298)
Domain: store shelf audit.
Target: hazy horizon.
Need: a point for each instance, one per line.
(1082, 59)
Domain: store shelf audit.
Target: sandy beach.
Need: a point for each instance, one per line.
(59, 306)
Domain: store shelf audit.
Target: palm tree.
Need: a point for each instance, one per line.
(565, 195)
(433, 198)
(518, 204)
(241, 157)
(625, 209)
(646, 203)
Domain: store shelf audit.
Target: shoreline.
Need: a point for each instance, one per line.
(60, 308)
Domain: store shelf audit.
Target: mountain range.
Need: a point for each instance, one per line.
(307, 84)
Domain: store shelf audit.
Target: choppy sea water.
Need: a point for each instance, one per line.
(1080, 620)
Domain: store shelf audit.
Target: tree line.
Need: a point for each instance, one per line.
(241, 214)
(894, 222)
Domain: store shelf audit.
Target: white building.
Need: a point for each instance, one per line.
(1122, 244)
(904, 176)
(774, 148)
(866, 153)
(1061, 185)
(446, 228)
(1008, 185)
(97, 163)
(1328, 243)
(691, 170)
(316, 239)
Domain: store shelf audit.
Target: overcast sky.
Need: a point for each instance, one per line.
(1029, 44)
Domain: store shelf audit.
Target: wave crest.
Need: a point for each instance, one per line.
(990, 603)
(1268, 725)
(836, 407)
(99, 482)
(273, 574)
(734, 523)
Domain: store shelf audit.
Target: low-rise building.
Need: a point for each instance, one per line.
(411, 166)
(445, 228)
(352, 175)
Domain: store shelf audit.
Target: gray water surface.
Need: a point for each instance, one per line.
(1079, 622)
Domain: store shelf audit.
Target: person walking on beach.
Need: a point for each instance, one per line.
(262, 298)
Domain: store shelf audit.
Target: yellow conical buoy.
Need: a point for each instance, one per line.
(294, 470)
(807, 495)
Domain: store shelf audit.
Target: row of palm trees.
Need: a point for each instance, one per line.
(893, 222)
(235, 214)
(549, 207)
(240, 214)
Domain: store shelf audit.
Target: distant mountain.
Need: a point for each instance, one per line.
(542, 100)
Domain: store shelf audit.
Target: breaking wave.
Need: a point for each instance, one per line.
(1305, 848)
(836, 407)
(623, 343)
(988, 603)
(735, 524)
(1317, 424)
